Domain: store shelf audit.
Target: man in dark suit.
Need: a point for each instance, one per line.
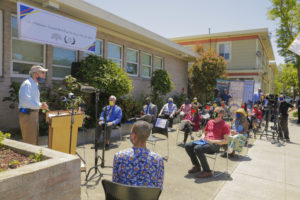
(149, 112)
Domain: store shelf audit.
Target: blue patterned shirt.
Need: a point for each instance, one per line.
(138, 167)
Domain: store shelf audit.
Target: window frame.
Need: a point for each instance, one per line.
(23, 62)
(150, 66)
(62, 66)
(218, 49)
(162, 63)
(1, 42)
(95, 53)
(111, 59)
(137, 63)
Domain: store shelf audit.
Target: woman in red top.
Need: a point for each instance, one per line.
(257, 114)
(192, 123)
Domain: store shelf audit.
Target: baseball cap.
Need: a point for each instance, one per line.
(37, 68)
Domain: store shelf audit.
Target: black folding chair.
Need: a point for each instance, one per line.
(116, 191)
(160, 127)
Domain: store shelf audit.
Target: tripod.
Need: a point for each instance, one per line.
(96, 166)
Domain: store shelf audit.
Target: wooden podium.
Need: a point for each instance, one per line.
(60, 130)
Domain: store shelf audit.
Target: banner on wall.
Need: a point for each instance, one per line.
(248, 91)
(44, 27)
(223, 84)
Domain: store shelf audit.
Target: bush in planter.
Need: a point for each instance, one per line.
(130, 108)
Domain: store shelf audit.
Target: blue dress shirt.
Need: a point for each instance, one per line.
(29, 95)
(115, 116)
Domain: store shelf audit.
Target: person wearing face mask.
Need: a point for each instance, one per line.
(168, 111)
(239, 132)
(215, 134)
(184, 109)
(256, 117)
(283, 118)
(191, 123)
(196, 103)
(29, 105)
(149, 112)
(139, 166)
(113, 114)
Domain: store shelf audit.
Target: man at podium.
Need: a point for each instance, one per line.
(29, 104)
(113, 114)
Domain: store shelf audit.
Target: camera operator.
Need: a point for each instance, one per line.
(283, 118)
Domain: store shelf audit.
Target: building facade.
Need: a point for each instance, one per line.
(134, 49)
(248, 53)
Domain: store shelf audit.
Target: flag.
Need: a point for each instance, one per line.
(295, 45)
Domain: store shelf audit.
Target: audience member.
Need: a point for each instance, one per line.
(168, 111)
(239, 132)
(226, 97)
(191, 123)
(196, 103)
(216, 134)
(113, 114)
(184, 109)
(139, 166)
(283, 118)
(149, 112)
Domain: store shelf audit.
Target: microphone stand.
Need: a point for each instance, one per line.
(71, 128)
(95, 141)
(104, 137)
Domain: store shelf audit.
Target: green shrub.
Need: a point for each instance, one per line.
(37, 157)
(179, 99)
(130, 108)
(295, 114)
(3, 136)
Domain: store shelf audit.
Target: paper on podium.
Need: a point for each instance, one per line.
(57, 114)
(161, 123)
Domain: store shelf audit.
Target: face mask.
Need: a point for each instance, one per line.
(195, 101)
(170, 102)
(255, 109)
(187, 102)
(40, 80)
(147, 103)
(281, 98)
(238, 115)
(111, 103)
(193, 111)
(215, 105)
(215, 115)
(243, 106)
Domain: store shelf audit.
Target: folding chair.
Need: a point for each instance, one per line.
(197, 133)
(116, 191)
(160, 127)
(215, 157)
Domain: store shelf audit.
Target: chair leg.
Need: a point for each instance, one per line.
(214, 164)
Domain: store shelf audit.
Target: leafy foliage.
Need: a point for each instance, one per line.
(37, 157)
(204, 72)
(130, 108)
(179, 99)
(286, 80)
(287, 12)
(3, 136)
(13, 97)
(161, 82)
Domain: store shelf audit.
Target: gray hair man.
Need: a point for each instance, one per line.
(29, 104)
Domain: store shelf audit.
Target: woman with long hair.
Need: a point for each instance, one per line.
(191, 123)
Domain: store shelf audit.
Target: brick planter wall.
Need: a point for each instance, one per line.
(58, 177)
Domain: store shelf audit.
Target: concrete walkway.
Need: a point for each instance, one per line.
(273, 173)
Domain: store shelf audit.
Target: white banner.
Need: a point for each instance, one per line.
(295, 45)
(44, 27)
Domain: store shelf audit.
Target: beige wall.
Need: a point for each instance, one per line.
(8, 118)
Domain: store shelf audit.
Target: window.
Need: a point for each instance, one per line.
(24, 53)
(146, 65)
(1, 41)
(114, 53)
(61, 62)
(98, 49)
(158, 63)
(132, 61)
(224, 50)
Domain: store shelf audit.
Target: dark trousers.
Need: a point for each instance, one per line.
(283, 127)
(198, 152)
(187, 131)
(100, 131)
(169, 119)
(298, 115)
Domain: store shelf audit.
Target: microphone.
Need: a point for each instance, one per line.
(87, 89)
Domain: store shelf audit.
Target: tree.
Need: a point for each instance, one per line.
(204, 72)
(161, 84)
(286, 80)
(287, 12)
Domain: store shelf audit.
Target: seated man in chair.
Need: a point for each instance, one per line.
(168, 111)
(149, 112)
(139, 166)
(216, 134)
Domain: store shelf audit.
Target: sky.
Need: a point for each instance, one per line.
(176, 18)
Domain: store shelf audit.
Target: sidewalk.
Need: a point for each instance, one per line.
(273, 172)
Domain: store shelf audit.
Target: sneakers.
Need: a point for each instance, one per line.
(204, 174)
(194, 170)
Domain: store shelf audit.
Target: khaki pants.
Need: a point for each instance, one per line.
(29, 124)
